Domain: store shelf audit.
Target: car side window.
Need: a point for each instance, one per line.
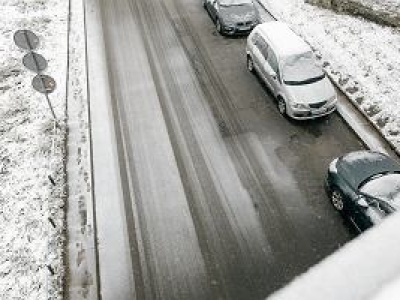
(273, 61)
(261, 45)
(255, 38)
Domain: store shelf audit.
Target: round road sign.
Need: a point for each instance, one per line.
(44, 84)
(34, 62)
(26, 39)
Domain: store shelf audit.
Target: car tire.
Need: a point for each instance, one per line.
(250, 64)
(218, 26)
(336, 198)
(282, 106)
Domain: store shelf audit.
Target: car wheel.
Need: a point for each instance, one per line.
(219, 27)
(282, 106)
(337, 199)
(250, 64)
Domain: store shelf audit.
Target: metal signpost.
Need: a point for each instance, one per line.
(27, 40)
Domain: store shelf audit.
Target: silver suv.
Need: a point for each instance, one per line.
(287, 65)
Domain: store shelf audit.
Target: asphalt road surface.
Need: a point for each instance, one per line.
(223, 197)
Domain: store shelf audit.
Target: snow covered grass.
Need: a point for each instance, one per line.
(381, 5)
(31, 150)
(383, 11)
(362, 57)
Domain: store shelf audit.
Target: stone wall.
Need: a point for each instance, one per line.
(385, 12)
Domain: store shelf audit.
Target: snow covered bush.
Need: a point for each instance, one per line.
(385, 12)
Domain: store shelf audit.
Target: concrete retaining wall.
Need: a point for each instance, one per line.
(385, 12)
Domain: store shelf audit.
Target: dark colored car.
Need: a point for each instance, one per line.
(232, 17)
(364, 186)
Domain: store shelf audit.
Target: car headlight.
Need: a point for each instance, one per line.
(229, 27)
(299, 106)
(227, 23)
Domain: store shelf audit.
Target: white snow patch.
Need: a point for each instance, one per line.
(31, 149)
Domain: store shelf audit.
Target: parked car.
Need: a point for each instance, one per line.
(232, 17)
(364, 186)
(287, 65)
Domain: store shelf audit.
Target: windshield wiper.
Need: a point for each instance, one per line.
(307, 81)
(372, 178)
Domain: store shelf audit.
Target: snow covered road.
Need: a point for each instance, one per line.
(202, 190)
(203, 151)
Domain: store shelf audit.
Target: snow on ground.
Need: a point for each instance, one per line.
(381, 4)
(362, 57)
(31, 149)
(387, 6)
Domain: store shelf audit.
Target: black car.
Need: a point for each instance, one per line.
(232, 17)
(364, 186)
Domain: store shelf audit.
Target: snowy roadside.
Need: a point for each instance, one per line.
(80, 248)
(386, 12)
(363, 58)
(32, 219)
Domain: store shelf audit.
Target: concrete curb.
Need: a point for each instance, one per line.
(115, 275)
(81, 255)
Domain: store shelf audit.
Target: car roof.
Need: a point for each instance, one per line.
(283, 40)
(358, 166)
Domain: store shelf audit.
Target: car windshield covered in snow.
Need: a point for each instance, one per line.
(301, 69)
(235, 2)
(385, 187)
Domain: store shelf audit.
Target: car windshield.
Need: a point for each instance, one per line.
(385, 187)
(301, 69)
(235, 2)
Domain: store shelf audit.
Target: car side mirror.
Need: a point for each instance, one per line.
(362, 202)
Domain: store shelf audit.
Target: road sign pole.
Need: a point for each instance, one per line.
(51, 108)
(27, 40)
